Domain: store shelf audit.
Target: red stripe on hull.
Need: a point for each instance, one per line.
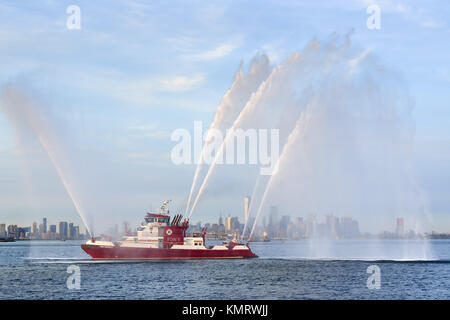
(99, 252)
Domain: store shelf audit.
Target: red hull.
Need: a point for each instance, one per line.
(100, 252)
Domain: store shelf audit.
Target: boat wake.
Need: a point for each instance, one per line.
(379, 260)
(53, 260)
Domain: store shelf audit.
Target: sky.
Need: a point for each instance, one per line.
(136, 71)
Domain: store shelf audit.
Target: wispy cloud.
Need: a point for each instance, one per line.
(196, 49)
(145, 127)
(159, 134)
(216, 53)
(431, 23)
(181, 83)
(149, 131)
(183, 43)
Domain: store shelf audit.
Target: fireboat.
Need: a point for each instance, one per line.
(163, 238)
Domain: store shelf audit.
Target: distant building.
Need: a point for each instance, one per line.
(63, 230)
(221, 229)
(272, 227)
(50, 234)
(34, 229)
(284, 226)
(44, 224)
(70, 231)
(21, 233)
(25, 233)
(349, 228)
(214, 227)
(332, 227)
(299, 228)
(13, 231)
(234, 224)
(228, 224)
(2, 230)
(310, 227)
(76, 232)
(400, 229)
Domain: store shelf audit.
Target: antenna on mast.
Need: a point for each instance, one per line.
(164, 206)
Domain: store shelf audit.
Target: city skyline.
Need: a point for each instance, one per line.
(44, 231)
(313, 226)
(273, 226)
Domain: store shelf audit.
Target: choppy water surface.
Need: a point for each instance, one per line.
(290, 270)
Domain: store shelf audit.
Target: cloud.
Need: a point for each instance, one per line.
(146, 127)
(183, 43)
(216, 53)
(430, 23)
(158, 158)
(149, 131)
(189, 46)
(160, 134)
(181, 83)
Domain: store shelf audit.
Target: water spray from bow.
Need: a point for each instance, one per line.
(25, 113)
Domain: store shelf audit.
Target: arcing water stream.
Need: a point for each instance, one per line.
(346, 133)
(25, 113)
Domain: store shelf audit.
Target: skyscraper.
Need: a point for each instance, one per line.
(284, 226)
(228, 224)
(2, 230)
(34, 229)
(76, 232)
(44, 224)
(332, 226)
(349, 228)
(273, 221)
(63, 230)
(70, 231)
(234, 224)
(13, 231)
